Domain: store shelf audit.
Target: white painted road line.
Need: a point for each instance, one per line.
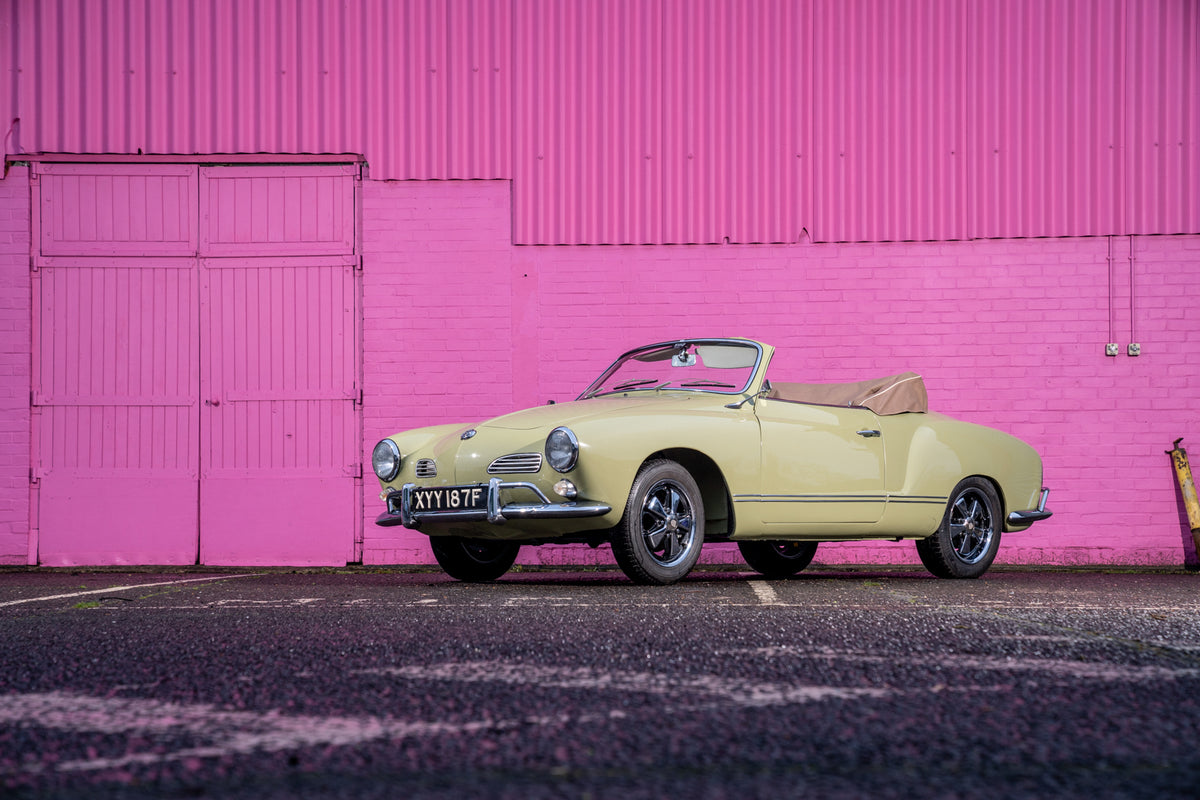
(704, 688)
(111, 589)
(766, 595)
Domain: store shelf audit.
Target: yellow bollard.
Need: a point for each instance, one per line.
(1187, 487)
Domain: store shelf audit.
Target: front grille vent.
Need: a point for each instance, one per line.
(426, 468)
(516, 463)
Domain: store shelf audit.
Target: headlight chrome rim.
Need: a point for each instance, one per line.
(386, 460)
(562, 449)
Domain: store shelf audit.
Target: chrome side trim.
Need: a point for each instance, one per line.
(810, 498)
(925, 500)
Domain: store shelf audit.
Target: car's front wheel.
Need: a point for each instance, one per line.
(658, 540)
(473, 560)
(967, 540)
(778, 559)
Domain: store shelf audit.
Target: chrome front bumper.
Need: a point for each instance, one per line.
(1029, 517)
(400, 508)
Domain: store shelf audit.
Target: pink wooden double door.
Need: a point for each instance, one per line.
(196, 369)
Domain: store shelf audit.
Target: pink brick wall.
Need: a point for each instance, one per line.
(461, 325)
(14, 366)
(438, 290)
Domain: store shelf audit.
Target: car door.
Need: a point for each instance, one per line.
(820, 464)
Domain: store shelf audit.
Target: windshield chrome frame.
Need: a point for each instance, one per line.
(754, 371)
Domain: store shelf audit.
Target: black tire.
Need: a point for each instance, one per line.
(658, 540)
(967, 540)
(473, 560)
(778, 559)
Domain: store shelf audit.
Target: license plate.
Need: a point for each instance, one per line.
(449, 498)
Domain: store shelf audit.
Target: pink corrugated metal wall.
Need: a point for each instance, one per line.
(422, 86)
(655, 122)
(871, 120)
(1048, 115)
(889, 159)
(660, 121)
(1163, 115)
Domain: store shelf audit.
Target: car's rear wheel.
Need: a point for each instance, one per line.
(967, 540)
(658, 540)
(473, 560)
(778, 559)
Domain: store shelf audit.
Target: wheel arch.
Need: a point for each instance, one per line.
(997, 488)
(714, 490)
(942, 556)
(1009, 465)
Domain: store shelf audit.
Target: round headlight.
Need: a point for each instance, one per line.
(562, 449)
(385, 460)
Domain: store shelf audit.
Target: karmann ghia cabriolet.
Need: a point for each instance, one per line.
(684, 442)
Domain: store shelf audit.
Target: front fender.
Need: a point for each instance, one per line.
(421, 442)
(612, 451)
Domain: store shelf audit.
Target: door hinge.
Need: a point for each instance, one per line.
(34, 478)
(358, 264)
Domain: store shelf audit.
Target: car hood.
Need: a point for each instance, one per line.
(577, 411)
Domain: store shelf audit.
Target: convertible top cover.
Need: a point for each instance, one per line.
(895, 394)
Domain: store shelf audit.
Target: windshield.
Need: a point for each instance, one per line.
(699, 365)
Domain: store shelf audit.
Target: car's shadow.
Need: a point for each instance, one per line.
(603, 577)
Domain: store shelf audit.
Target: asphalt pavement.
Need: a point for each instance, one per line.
(366, 683)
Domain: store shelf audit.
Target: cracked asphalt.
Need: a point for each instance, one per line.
(375, 683)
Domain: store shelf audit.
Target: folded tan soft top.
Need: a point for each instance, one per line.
(895, 394)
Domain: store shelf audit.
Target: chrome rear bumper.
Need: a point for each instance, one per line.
(1032, 516)
(400, 508)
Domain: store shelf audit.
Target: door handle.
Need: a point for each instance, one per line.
(213, 403)
(868, 434)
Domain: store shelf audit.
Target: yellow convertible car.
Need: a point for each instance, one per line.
(683, 442)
